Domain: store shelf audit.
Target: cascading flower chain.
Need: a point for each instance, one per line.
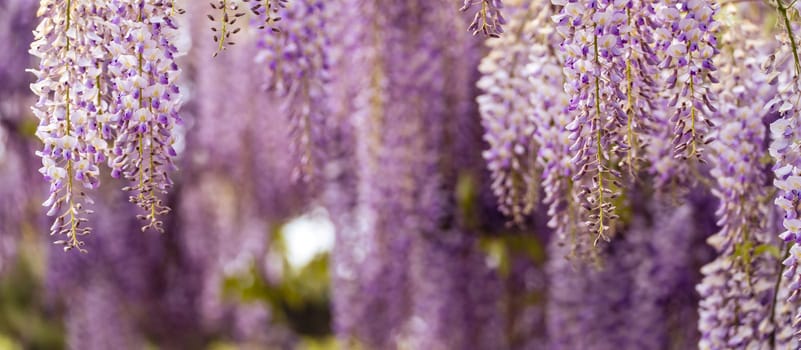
(297, 72)
(784, 69)
(505, 109)
(146, 102)
(69, 91)
(687, 43)
(107, 75)
(488, 19)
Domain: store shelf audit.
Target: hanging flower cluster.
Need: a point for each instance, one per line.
(784, 69)
(635, 73)
(687, 40)
(738, 286)
(593, 68)
(549, 115)
(297, 71)
(269, 12)
(505, 110)
(107, 93)
(225, 24)
(643, 98)
(645, 127)
(488, 19)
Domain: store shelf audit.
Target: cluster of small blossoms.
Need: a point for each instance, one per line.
(69, 91)
(297, 64)
(594, 66)
(641, 80)
(785, 67)
(737, 292)
(107, 73)
(668, 173)
(352, 27)
(785, 311)
(736, 301)
(506, 110)
(145, 99)
(488, 19)
(269, 12)
(549, 104)
(399, 119)
(228, 12)
(687, 45)
(739, 140)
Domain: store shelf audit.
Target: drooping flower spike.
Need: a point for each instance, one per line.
(146, 100)
(687, 46)
(784, 69)
(594, 67)
(68, 43)
(488, 19)
(107, 74)
(296, 63)
(506, 107)
(225, 22)
(269, 12)
(550, 116)
(734, 311)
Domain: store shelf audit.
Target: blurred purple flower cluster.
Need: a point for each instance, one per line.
(587, 174)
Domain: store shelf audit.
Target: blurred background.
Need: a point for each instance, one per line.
(253, 258)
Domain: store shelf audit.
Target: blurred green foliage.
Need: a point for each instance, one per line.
(25, 320)
(300, 298)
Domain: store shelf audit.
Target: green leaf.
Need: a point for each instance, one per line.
(769, 249)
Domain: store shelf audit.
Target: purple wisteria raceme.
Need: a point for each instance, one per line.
(404, 149)
(736, 301)
(488, 19)
(664, 280)
(550, 116)
(18, 181)
(227, 12)
(686, 43)
(739, 140)
(641, 83)
(236, 183)
(349, 26)
(297, 72)
(666, 170)
(269, 12)
(71, 55)
(399, 161)
(145, 100)
(252, 148)
(505, 109)
(785, 67)
(107, 73)
(594, 67)
(786, 310)
(98, 290)
(360, 311)
(612, 76)
(589, 306)
(737, 292)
